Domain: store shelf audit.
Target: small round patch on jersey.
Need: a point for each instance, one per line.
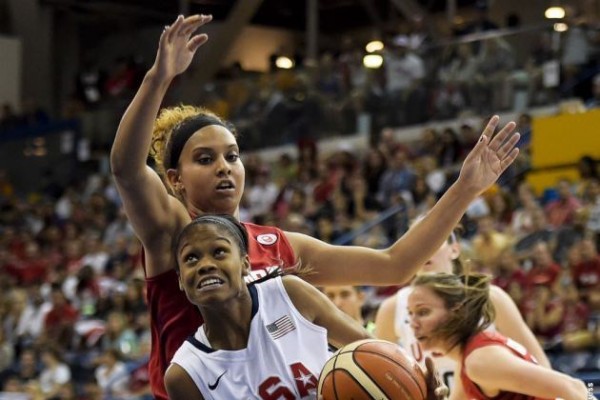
(267, 239)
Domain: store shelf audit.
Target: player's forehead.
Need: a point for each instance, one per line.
(204, 233)
(424, 296)
(212, 137)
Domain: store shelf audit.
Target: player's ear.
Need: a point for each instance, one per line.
(180, 283)
(246, 265)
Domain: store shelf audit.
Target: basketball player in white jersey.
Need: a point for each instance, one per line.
(392, 322)
(264, 340)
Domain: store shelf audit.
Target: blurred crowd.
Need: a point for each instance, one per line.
(72, 304)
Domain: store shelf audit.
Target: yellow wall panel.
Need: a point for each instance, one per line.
(564, 139)
(541, 180)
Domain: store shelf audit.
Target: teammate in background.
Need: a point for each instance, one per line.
(349, 299)
(280, 320)
(449, 315)
(198, 157)
(393, 324)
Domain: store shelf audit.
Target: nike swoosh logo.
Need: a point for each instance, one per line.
(214, 385)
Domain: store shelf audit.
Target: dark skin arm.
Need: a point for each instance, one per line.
(180, 386)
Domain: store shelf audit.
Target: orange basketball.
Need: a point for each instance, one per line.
(372, 369)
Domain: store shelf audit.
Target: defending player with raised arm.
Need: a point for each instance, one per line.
(449, 314)
(198, 155)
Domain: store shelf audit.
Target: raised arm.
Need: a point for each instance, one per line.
(510, 323)
(154, 214)
(317, 308)
(337, 265)
(495, 368)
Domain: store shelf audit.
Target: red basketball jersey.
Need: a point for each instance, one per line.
(173, 318)
(483, 339)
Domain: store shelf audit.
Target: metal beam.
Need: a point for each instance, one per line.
(218, 45)
(410, 9)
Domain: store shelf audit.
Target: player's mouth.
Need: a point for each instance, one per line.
(210, 283)
(225, 186)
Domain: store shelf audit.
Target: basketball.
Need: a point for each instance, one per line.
(372, 369)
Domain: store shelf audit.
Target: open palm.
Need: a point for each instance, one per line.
(177, 46)
(490, 157)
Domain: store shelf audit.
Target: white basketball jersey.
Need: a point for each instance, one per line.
(283, 359)
(444, 365)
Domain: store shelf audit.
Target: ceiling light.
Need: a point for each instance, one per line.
(372, 61)
(374, 45)
(284, 62)
(554, 12)
(560, 27)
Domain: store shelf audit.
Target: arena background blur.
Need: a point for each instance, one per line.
(342, 141)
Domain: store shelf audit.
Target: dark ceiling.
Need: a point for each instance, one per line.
(334, 15)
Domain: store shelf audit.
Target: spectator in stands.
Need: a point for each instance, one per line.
(586, 274)
(594, 102)
(404, 71)
(544, 310)
(60, 320)
(112, 375)
(489, 243)
(575, 332)
(491, 87)
(7, 352)
(591, 201)
(374, 166)
(157, 214)
(119, 336)
(261, 194)
(539, 232)
(350, 300)
(562, 210)
(544, 269)
(398, 179)
(55, 372)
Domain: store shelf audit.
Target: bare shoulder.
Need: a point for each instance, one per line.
(180, 385)
(296, 287)
(477, 363)
(307, 299)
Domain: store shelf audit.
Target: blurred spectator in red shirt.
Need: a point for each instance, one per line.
(561, 211)
(575, 332)
(544, 268)
(544, 310)
(586, 274)
(60, 320)
(509, 271)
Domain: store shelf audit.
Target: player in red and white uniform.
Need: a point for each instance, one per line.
(449, 314)
(393, 323)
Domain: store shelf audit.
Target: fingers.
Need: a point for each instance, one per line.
(502, 135)
(172, 30)
(490, 128)
(197, 41)
(194, 22)
(508, 146)
(185, 26)
(512, 156)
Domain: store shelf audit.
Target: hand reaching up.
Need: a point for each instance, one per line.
(489, 158)
(178, 44)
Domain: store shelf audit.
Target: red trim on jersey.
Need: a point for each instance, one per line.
(483, 339)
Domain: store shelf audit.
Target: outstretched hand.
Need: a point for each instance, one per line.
(177, 46)
(490, 157)
(436, 390)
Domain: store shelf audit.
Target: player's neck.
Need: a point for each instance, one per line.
(227, 326)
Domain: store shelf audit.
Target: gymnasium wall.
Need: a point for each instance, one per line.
(558, 142)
